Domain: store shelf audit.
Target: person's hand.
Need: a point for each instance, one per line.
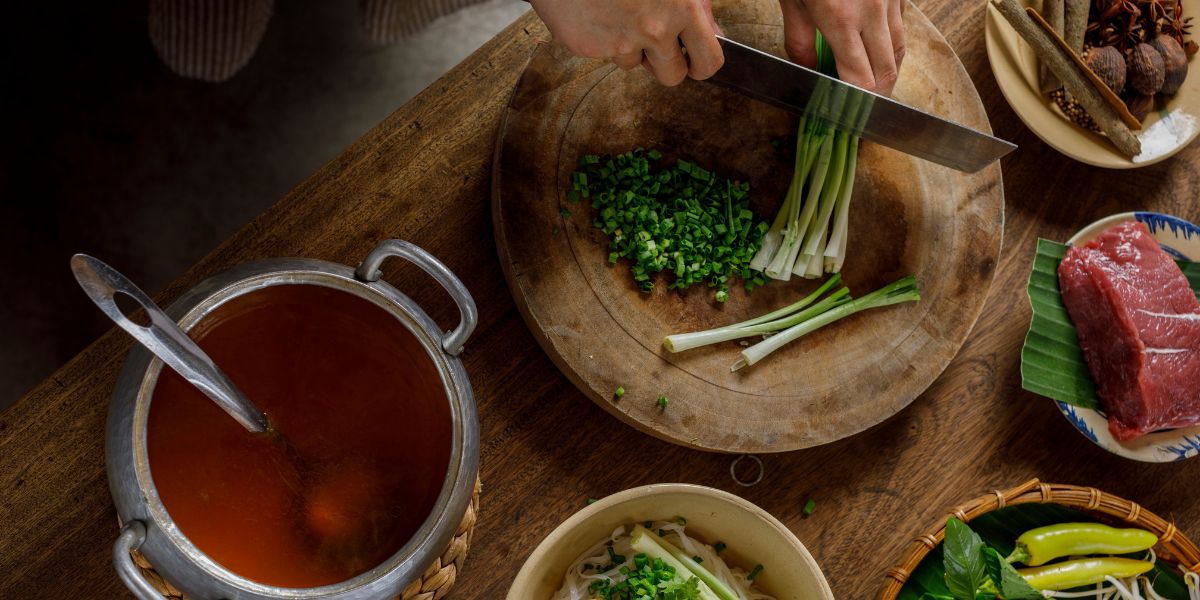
(639, 32)
(866, 36)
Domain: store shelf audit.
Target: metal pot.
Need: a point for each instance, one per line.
(150, 530)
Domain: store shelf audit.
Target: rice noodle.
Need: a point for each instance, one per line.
(578, 577)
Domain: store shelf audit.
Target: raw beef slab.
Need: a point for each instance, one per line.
(1139, 327)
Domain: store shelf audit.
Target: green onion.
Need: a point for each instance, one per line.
(757, 569)
(790, 322)
(711, 588)
(809, 507)
(662, 402)
(768, 323)
(683, 220)
(620, 391)
(591, 501)
(808, 235)
(904, 290)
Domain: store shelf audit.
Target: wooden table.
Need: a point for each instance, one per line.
(424, 175)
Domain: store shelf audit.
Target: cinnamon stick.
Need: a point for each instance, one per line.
(1106, 92)
(1075, 20)
(1052, 11)
(1073, 80)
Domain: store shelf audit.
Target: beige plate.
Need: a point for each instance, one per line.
(1016, 69)
(908, 217)
(753, 537)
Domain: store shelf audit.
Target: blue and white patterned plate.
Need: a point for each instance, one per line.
(1180, 239)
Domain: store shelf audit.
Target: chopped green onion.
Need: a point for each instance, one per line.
(662, 402)
(620, 391)
(684, 220)
(809, 507)
(591, 501)
(757, 569)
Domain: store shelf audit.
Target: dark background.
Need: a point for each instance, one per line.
(106, 151)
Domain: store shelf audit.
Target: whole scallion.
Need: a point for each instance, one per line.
(790, 322)
(808, 235)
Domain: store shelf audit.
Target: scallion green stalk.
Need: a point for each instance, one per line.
(808, 236)
(683, 562)
(773, 321)
(642, 540)
(904, 290)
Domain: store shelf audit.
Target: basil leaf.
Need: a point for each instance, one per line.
(1010, 583)
(963, 559)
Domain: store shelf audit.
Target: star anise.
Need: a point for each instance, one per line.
(1120, 7)
(1153, 10)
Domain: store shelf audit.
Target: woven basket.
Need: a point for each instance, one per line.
(434, 583)
(1173, 545)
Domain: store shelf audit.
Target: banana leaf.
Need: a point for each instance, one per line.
(1000, 529)
(1052, 363)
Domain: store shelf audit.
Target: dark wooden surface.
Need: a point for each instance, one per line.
(424, 175)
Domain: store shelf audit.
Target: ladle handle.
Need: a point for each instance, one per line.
(453, 342)
(133, 535)
(164, 339)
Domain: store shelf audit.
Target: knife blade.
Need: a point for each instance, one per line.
(849, 108)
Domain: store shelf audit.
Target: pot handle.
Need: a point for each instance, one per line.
(453, 342)
(131, 538)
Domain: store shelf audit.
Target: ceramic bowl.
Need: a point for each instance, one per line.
(1016, 69)
(1180, 239)
(753, 537)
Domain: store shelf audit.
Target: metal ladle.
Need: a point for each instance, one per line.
(163, 338)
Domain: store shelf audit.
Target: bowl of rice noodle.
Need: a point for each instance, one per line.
(697, 533)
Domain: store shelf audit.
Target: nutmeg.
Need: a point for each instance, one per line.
(1109, 65)
(1174, 63)
(1146, 72)
(1140, 105)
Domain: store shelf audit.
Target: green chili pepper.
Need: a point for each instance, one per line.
(1039, 546)
(1085, 571)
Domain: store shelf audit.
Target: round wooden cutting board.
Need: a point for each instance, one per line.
(908, 216)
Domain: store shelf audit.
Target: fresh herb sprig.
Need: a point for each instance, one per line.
(974, 569)
(683, 220)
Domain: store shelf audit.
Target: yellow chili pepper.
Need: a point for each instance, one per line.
(1085, 571)
(1044, 544)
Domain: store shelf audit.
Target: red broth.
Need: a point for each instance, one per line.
(360, 402)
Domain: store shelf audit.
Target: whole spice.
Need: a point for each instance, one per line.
(1052, 10)
(1175, 63)
(1109, 65)
(1140, 105)
(1147, 73)
(1075, 20)
(1076, 83)
(1127, 23)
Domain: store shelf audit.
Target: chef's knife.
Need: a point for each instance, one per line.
(885, 121)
